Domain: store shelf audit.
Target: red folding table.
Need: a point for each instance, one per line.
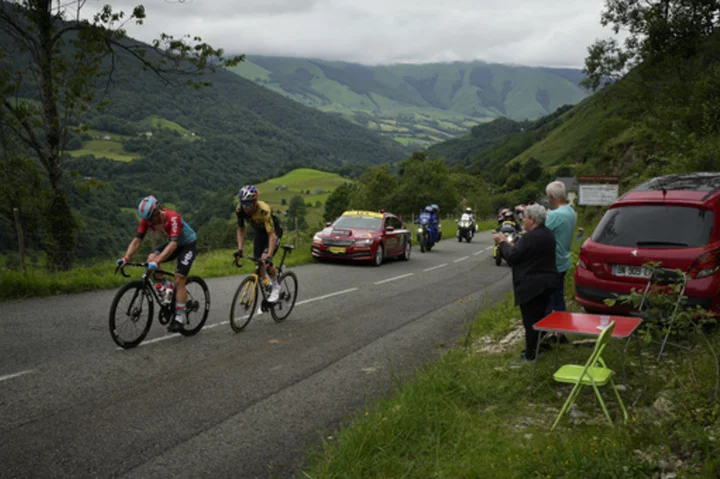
(587, 324)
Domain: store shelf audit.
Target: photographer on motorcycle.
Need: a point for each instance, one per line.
(506, 216)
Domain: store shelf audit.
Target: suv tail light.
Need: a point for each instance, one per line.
(582, 260)
(596, 267)
(706, 264)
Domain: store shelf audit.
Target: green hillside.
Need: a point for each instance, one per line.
(191, 148)
(655, 121)
(418, 104)
(297, 183)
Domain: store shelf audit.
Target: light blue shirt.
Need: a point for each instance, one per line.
(561, 221)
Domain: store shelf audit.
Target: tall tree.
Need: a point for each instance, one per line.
(58, 60)
(376, 189)
(297, 209)
(655, 28)
(424, 181)
(337, 202)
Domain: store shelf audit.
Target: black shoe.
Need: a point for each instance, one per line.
(553, 339)
(175, 326)
(524, 357)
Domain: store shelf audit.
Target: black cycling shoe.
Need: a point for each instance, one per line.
(175, 326)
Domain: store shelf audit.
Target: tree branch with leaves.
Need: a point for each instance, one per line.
(57, 63)
(654, 29)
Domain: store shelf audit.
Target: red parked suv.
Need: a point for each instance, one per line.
(671, 219)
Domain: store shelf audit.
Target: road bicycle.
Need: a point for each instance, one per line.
(244, 302)
(133, 306)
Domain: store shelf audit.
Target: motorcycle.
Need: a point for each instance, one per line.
(466, 228)
(427, 234)
(511, 236)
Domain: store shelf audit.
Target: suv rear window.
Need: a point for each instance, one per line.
(655, 226)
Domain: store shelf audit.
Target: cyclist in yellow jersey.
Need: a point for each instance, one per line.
(265, 242)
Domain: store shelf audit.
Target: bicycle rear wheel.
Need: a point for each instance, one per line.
(244, 303)
(288, 295)
(131, 315)
(197, 306)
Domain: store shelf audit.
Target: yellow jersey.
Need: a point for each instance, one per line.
(261, 219)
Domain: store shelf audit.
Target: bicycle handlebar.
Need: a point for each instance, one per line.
(237, 259)
(121, 268)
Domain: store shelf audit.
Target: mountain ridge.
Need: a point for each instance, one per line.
(418, 104)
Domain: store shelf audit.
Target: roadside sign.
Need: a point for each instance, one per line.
(597, 194)
(597, 190)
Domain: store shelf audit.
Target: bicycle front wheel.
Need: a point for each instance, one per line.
(197, 306)
(131, 315)
(288, 295)
(244, 303)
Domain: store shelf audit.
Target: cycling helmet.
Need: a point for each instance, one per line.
(147, 207)
(507, 214)
(429, 209)
(248, 193)
(468, 211)
(434, 207)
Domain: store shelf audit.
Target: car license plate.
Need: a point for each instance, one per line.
(631, 271)
(336, 250)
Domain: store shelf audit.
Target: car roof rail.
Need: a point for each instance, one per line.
(700, 181)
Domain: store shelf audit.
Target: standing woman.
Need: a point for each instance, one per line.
(534, 272)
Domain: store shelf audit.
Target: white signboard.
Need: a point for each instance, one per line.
(598, 194)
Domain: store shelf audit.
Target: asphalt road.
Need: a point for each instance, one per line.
(221, 404)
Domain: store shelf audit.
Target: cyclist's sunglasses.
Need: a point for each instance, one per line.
(247, 203)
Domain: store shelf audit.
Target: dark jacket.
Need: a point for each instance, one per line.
(533, 264)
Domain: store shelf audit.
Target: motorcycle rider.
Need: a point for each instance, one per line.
(431, 219)
(469, 216)
(436, 220)
(506, 216)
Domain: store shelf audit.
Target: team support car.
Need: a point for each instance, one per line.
(672, 220)
(363, 236)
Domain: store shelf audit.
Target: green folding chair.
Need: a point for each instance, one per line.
(595, 373)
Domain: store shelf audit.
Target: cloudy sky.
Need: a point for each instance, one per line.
(527, 32)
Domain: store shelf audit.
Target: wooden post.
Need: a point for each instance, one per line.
(297, 234)
(21, 239)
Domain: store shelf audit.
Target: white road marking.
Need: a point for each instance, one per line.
(394, 278)
(161, 338)
(461, 259)
(479, 252)
(305, 301)
(489, 248)
(210, 326)
(436, 267)
(15, 375)
(216, 324)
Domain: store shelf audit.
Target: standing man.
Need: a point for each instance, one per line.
(561, 221)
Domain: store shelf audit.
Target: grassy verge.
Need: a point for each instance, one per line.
(39, 282)
(470, 414)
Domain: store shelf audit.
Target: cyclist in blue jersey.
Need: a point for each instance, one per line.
(181, 244)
